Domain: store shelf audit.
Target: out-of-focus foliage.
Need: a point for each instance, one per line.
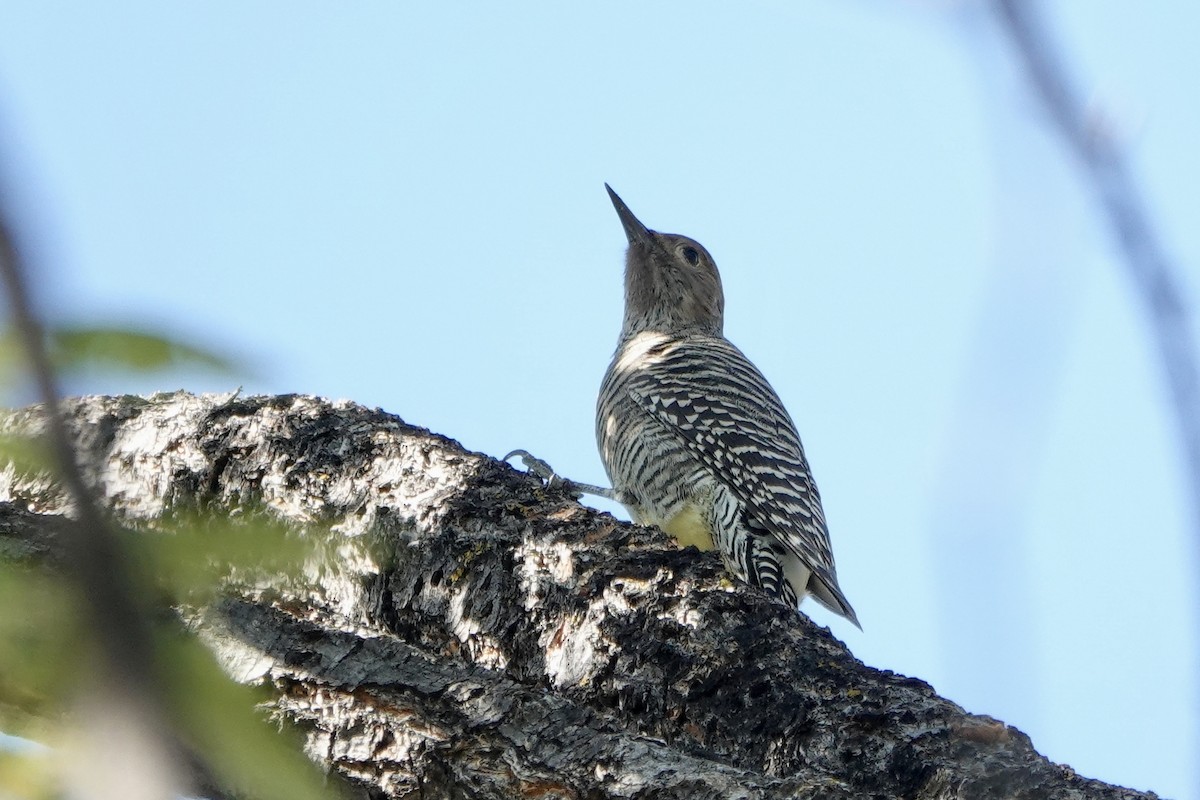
(75, 347)
(216, 716)
(196, 552)
(40, 646)
(28, 772)
(43, 651)
(184, 562)
(24, 454)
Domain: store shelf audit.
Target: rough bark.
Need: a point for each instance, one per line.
(467, 632)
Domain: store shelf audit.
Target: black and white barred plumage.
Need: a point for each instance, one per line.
(694, 438)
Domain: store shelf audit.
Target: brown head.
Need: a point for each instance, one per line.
(671, 282)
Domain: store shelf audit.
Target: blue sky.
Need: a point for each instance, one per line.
(403, 205)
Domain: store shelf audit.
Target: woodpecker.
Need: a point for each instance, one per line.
(693, 437)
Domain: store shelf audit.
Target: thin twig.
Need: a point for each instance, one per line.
(1155, 276)
(1153, 273)
(129, 749)
(93, 553)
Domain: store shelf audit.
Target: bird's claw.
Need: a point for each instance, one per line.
(575, 489)
(534, 465)
(539, 468)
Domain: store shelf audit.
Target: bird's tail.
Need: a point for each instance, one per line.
(827, 593)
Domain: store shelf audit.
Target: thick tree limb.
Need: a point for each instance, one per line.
(469, 633)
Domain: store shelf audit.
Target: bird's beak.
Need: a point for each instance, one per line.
(635, 231)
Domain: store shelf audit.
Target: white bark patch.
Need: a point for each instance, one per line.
(539, 563)
(571, 651)
(483, 649)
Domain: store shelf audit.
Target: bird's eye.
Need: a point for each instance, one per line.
(692, 255)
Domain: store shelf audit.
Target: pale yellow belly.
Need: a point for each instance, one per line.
(690, 529)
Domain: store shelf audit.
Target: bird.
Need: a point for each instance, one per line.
(693, 437)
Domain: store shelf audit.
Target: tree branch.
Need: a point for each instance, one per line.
(468, 632)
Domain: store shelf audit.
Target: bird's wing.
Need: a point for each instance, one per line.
(729, 417)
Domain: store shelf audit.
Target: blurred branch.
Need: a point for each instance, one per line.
(123, 749)
(93, 557)
(1156, 277)
(1154, 274)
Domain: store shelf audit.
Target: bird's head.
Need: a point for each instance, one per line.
(671, 281)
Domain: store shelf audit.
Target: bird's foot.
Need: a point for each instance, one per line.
(541, 469)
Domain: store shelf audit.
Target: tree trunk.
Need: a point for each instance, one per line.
(468, 632)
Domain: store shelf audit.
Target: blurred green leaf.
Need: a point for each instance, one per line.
(196, 552)
(28, 774)
(74, 347)
(249, 755)
(12, 358)
(40, 647)
(27, 454)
